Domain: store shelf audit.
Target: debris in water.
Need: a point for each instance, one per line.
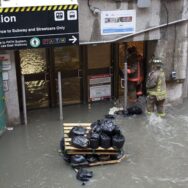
(10, 128)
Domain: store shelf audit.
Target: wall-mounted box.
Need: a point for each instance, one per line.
(143, 3)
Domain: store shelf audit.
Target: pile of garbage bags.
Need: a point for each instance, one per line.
(103, 133)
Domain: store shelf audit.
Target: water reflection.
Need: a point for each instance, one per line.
(33, 63)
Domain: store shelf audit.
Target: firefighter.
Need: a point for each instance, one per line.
(156, 88)
(135, 75)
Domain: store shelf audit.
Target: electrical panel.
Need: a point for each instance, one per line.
(143, 3)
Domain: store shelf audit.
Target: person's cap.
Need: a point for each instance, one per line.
(157, 62)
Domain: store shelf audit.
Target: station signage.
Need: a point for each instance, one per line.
(38, 26)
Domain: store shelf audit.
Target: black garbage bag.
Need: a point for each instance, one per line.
(78, 160)
(67, 157)
(92, 158)
(118, 156)
(96, 126)
(134, 110)
(80, 142)
(84, 175)
(98, 122)
(62, 145)
(109, 116)
(120, 112)
(105, 141)
(97, 129)
(108, 127)
(77, 131)
(118, 141)
(94, 140)
(116, 130)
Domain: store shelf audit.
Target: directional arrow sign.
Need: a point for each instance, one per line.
(39, 26)
(73, 39)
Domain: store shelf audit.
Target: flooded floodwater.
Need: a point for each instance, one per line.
(156, 148)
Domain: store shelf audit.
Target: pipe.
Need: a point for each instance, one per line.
(136, 33)
(125, 86)
(24, 100)
(60, 97)
(2, 103)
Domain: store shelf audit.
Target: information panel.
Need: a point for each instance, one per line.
(118, 22)
(99, 87)
(38, 26)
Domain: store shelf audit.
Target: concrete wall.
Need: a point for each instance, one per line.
(171, 45)
(11, 95)
(89, 25)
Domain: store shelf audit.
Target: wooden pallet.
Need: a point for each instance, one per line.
(100, 163)
(69, 149)
(107, 162)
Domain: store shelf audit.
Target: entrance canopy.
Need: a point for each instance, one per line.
(28, 3)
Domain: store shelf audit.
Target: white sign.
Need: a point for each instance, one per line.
(100, 86)
(72, 15)
(25, 3)
(6, 63)
(5, 75)
(5, 85)
(102, 91)
(118, 22)
(59, 15)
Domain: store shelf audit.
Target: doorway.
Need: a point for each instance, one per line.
(140, 47)
(100, 72)
(40, 68)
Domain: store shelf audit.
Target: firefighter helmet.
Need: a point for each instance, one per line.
(157, 62)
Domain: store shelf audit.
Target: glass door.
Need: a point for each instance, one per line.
(66, 61)
(99, 72)
(33, 63)
(40, 68)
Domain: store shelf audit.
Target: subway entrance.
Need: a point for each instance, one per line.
(82, 69)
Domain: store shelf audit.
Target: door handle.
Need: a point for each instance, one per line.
(122, 83)
(79, 73)
(110, 70)
(45, 76)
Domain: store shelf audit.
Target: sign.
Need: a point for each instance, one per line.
(6, 63)
(100, 87)
(5, 75)
(23, 3)
(100, 92)
(118, 22)
(5, 85)
(38, 26)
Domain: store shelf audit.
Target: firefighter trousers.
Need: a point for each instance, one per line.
(152, 102)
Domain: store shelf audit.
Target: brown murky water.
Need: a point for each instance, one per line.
(156, 148)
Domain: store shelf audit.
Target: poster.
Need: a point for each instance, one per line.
(99, 87)
(6, 63)
(118, 22)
